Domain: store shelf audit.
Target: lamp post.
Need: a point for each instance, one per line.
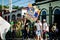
(10, 8)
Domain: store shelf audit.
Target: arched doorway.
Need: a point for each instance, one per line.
(18, 15)
(13, 17)
(43, 15)
(57, 17)
(9, 18)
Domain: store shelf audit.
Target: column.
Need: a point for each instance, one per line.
(6, 18)
(52, 19)
(50, 15)
(16, 16)
(40, 18)
(47, 19)
(2, 7)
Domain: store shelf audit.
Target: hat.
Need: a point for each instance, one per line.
(44, 19)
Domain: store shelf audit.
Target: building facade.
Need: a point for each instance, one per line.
(50, 10)
(14, 15)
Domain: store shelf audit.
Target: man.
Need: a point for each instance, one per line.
(38, 25)
(54, 31)
(45, 29)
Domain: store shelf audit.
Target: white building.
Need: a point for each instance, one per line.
(15, 14)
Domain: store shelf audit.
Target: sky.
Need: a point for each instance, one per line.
(19, 3)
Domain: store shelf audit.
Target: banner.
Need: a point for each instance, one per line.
(32, 13)
(31, 18)
(4, 27)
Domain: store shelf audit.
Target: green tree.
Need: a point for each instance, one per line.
(6, 6)
(0, 8)
(15, 7)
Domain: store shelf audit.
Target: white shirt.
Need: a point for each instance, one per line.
(45, 26)
(38, 25)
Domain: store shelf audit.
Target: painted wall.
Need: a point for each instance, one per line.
(56, 3)
(14, 13)
(46, 6)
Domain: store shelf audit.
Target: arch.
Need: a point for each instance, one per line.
(13, 17)
(44, 12)
(56, 10)
(18, 15)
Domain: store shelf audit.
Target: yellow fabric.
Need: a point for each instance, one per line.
(19, 25)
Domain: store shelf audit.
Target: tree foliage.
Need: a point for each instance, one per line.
(15, 7)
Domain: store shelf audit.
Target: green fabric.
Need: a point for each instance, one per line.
(19, 34)
(12, 23)
(46, 35)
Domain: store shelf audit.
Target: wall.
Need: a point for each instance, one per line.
(14, 13)
(46, 6)
(56, 3)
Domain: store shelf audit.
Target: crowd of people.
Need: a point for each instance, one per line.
(24, 28)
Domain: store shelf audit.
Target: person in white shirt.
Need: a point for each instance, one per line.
(38, 25)
(45, 29)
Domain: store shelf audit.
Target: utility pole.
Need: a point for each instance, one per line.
(2, 7)
(10, 8)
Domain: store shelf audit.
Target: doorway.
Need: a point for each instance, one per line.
(43, 15)
(13, 17)
(57, 19)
